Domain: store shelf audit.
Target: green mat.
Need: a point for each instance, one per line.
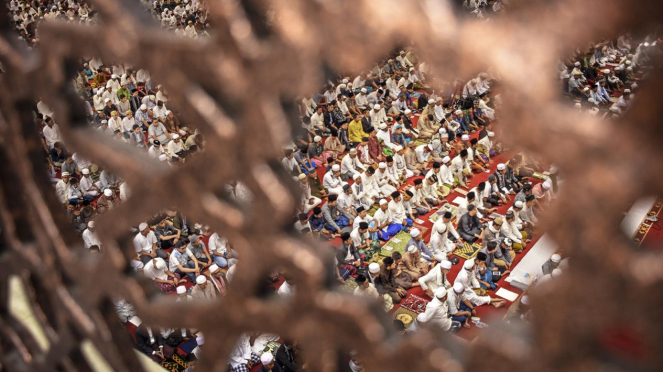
(371, 212)
(396, 244)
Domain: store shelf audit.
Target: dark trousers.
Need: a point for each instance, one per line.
(160, 253)
(461, 318)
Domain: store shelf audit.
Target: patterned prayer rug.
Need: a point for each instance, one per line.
(371, 212)
(461, 191)
(174, 363)
(414, 304)
(421, 228)
(350, 284)
(272, 347)
(645, 225)
(406, 316)
(467, 251)
(443, 209)
(540, 176)
(395, 244)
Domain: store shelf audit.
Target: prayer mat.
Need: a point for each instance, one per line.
(406, 316)
(495, 215)
(376, 258)
(371, 212)
(461, 191)
(395, 244)
(414, 304)
(420, 142)
(540, 176)
(646, 225)
(272, 347)
(443, 209)
(421, 228)
(467, 251)
(174, 363)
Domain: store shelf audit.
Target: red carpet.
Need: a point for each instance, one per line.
(650, 235)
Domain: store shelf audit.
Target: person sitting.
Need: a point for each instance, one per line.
(183, 262)
(316, 220)
(460, 169)
(440, 244)
(386, 281)
(286, 356)
(414, 264)
(87, 185)
(418, 241)
(197, 247)
(203, 290)
(491, 232)
(217, 279)
(384, 221)
(149, 343)
(163, 278)
(468, 278)
(145, 244)
(106, 202)
(551, 264)
(167, 234)
(335, 218)
(242, 359)
(436, 278)
(437, 312)
(365, 288)
(362, 241)
(90, 237)
(268, 363)
(469, 226)
(461, 309)
(222, 253)
(347, 255)
(510, 230)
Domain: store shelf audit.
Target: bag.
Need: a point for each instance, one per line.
(497, 275)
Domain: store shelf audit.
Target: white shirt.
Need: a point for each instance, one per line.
(52, 135)
(458, 164)
(86, 184)
(91, 238)
(438, 313)
(350, 165)
(286, 290)
(217, 244)
(144, 243)
(421, 154)
(397, 211)
(317, 121)
(242, 351)
(369, 292)
(330, 181)
(381, 217)
(128, 124)
(361, 100)
(152, 272)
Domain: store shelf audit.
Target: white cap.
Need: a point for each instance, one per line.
(431, 101)
(508, 242)
(458, 287)
(86, 171)
(382, 165)
(266, 358)
(446, 159)
(518, 204)
(345, 81)
(383, 126)
(109, 85)
(108, 192)
(606, 71)
(407, 111)
(577, 63)
(398, 148)
(176, 136)
(201, 279)
(411, 249)
(578, 105)
(376, 107)
(469, 264)
(374, 268)
(414, 232)
(556, 272)
(113, 76)
(213, 268)
(65, 174)
(430, 146)
(160, 264)
(336, 168)
(524, 300)
(501, 166)
(143, 107)
(383, 201)
(90, 224)
(441, 227)
(363, 90)
(546, 185)
(142, 226)
(317, 139)
(440, 292)
(152, 96)
(163, 157)
(627, 91)
(181, 289)
(355, 176)
(107, 100)
(491, 134)
(446, 264)
(458, 112)
(555, 258)
(465, 137)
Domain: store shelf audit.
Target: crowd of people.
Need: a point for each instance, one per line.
(377, 151)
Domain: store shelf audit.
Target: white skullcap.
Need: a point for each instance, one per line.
(627, 62)
(491, 134)
(469, 264)
(86, 171)
(363, 90)
(525, 300)
(336, 168)
(142, 226)
(152, 96)
(382, 165)
(546, 185)
(443, 134)
(414, 232)
(108, 192)
(446, 264)
(440, 292)
(383, 201)
(431, 101)
(317, 139)
(163, 157)
(501, 166)
(627, 91)
(143, 107)
(201, 279)
(109, 85)
(442, 131)
(407, 111)
(376, 107)
(465, 137)
(555, 258)
(374, 268)
(168, 112)
(458, 112)
(160, 264)
(90, 224)
(430, 146)
(181, 289)
(422, 317)
(508, 242)
(578, 105)
(345, 81)
(176, 136)
(65, 174)
(614, 108)
(398, 148)
(629, 68)
(556, 273)
(577, 63)
(411, 249)
(107, 100)
(458, 287)
(113, 76)
(104, 121)
(585, 89)
(383, 126)
(518, 204)
(441, 228)
(213, 268)
(446, 159)
(266, 358)
(606, 71)
(355, 176)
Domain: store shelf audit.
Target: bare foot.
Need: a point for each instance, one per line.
(498, 304)
(466, 325)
